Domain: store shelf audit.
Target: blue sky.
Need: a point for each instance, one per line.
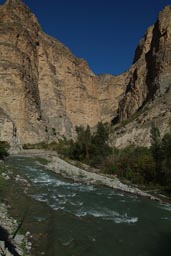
(103, 32)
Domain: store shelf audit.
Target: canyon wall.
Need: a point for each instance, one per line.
(45, 91)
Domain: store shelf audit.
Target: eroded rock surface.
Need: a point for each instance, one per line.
(45, 91)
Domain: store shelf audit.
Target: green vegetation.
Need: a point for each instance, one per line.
(132, 163)
(161, 152)
(40, 145)
(90, 148)
(139, 165)
(142, 165)
(4, 146)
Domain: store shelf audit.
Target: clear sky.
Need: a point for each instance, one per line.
(103, 32)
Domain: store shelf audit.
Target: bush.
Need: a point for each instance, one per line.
(138, 164)
(40, 145)
(133, 163)
(161, 152)
(62, 146)
(4, 147)
(166, 160)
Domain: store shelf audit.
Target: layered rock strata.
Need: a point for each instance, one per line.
(45, 91)
(147, 98)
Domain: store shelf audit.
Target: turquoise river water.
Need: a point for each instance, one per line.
(73, 219)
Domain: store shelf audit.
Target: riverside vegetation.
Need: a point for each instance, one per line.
(139, 165)
(4, 146)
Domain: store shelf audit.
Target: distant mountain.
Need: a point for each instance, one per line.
(45, 91)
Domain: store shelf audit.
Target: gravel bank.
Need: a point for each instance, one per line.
(68, 170)
(19, 244)
(8, 225)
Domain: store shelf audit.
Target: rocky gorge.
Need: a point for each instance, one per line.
(46, 91)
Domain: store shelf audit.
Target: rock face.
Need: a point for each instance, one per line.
(45, 91)
(147, 98)
(150, 74)
(7, 128)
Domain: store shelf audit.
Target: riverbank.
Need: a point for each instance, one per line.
(12, 242)
(72, 218)
(68, 170)
(87, 175)
(8, 225)
(9, 245)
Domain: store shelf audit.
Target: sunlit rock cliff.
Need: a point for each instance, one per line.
(147, 97)
(45, 91)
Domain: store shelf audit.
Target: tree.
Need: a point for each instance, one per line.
(166, 163)
(91, 148)
(156, 150)
(100, 140)
(102, 134)
(161, 152)
(81, 148)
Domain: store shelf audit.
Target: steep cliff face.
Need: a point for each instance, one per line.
(8, 129)
(147, 98)
(44, 89)
(19, 92)
(150, 74)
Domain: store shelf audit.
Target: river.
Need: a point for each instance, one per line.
(73, 219)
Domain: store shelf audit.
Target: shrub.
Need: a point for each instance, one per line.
(166, 160)
(161, 152)
(4, 147)
(133, 163)
(40, 145)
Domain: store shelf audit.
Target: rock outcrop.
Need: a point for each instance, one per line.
(45, 91)
(150, 74)
(8, 129)
(147, 98)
